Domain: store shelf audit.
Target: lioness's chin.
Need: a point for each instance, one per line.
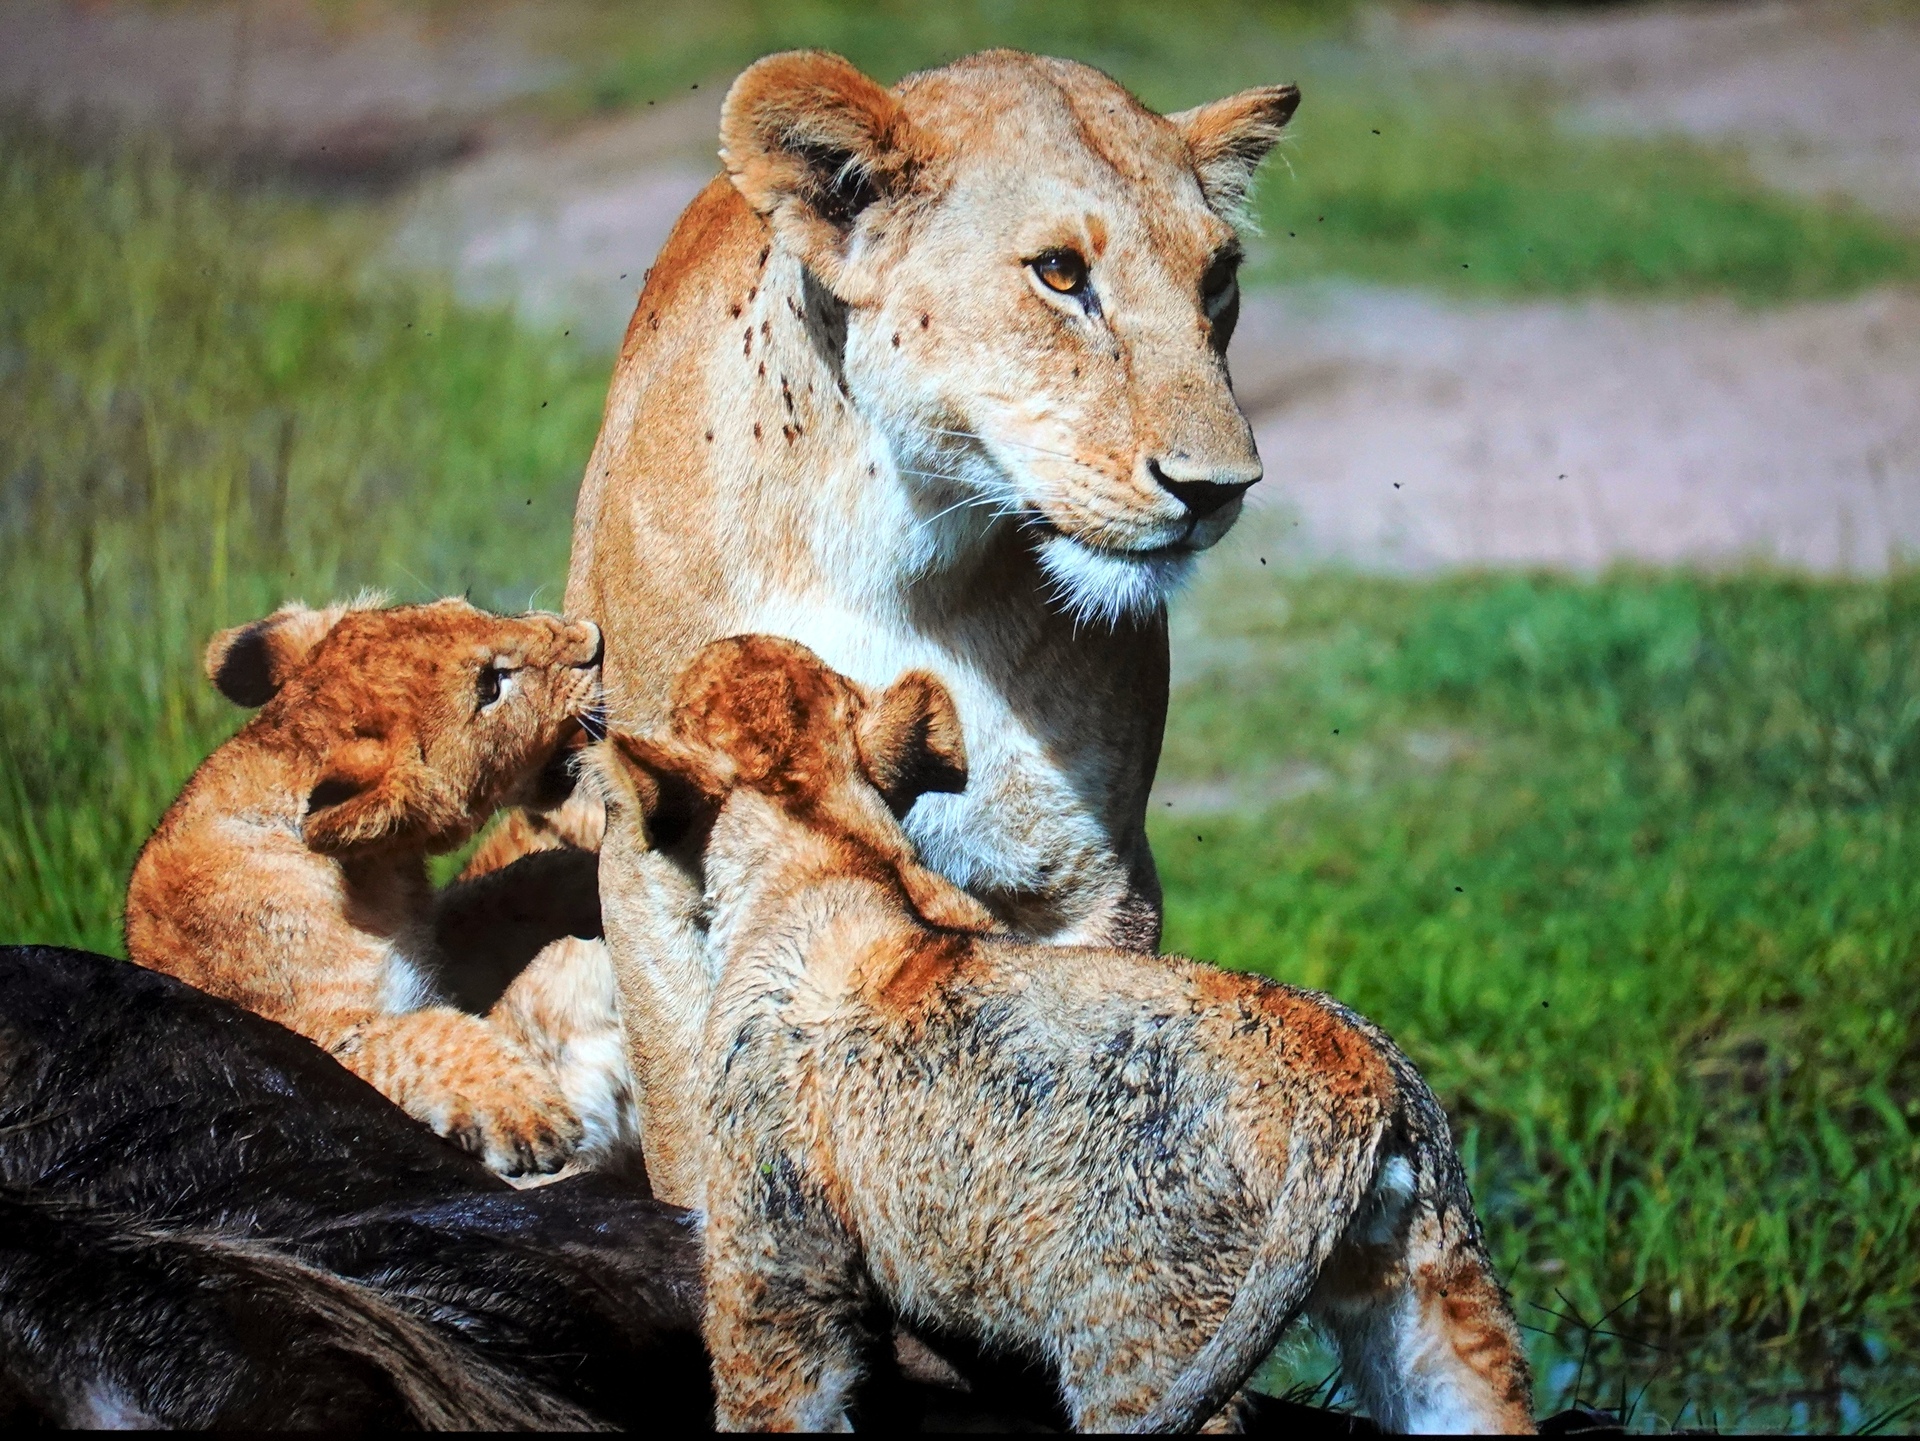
(1106, 585)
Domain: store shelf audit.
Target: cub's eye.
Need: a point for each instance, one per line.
(1061, 270)
(491, 685)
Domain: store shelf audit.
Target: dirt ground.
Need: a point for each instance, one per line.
(1400, 430)
(1823, 96)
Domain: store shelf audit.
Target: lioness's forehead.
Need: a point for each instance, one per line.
(1055, 131)
(1004, 92)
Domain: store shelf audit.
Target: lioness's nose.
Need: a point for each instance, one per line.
(1201, 490)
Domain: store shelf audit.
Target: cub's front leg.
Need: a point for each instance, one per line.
(787, 1302)
(462, 1077)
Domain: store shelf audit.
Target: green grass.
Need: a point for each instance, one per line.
(190, 434)
(1451, 191)
(1630, 867)
(1390, 175)
(1632, 870)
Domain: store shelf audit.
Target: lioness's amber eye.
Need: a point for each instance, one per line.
(1060, 270)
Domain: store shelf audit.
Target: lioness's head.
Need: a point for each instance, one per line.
(1039, 282)
(413, 724)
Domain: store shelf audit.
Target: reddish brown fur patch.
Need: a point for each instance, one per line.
(766, 704)
(927, 966)
(1347, 1062)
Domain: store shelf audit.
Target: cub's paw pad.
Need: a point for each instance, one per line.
(531, 1142)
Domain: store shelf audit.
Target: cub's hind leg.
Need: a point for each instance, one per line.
(465, 1079)
(1410, 1300)
(788, 1304)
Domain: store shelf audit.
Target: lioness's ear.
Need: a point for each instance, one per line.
(362, 799)
(1229, 138)
(674, 788)
(811, 142)
(910, 741)
(250, 663)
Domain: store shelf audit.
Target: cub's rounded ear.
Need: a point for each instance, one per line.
(673, 788)
(1229, 138)
(910, 741)
(250, 663)
(811, 143)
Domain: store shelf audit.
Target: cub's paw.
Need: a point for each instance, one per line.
(519, 1135)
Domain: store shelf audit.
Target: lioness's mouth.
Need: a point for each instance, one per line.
(1144, 555)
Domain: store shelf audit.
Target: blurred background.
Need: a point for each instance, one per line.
(1558, 702)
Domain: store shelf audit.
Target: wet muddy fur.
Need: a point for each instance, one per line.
(204, 1220)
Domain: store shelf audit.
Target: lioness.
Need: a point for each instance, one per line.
(290, 874)
(933, 376)
(1139, 1168)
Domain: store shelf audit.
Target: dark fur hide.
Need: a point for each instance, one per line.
(204, 1220)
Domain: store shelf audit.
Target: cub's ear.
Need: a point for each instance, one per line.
(674, 788)
(250, 663)
(362, 799)
(910, 741)
(811, 143)
(1229, 138)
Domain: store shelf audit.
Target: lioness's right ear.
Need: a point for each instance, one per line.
(673, 789)
(250, 663)
(1229, 138)
(811, 143)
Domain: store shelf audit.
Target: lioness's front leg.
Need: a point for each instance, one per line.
(1124, 911)
(660, 963)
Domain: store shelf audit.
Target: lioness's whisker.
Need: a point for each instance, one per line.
(1008, 440)
(960, 504)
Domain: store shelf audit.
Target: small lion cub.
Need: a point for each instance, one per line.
(290, 875)
(1138, 1167)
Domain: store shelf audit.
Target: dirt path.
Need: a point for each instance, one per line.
(1822, 95)
(1409, 432)
(371, 95)
(567, 226)
(1399, 430)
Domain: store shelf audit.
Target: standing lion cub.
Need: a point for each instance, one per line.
(290, 875)
(1137, 1168)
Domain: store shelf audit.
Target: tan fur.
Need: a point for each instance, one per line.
(1137, 1168)
(290, 875)
(847, 410)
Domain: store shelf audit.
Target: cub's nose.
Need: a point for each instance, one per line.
(594, 644)
(1202, 491)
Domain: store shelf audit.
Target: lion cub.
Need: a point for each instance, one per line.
(290, 875)
(1139, 1167)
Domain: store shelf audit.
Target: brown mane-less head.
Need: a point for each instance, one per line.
(765, 714)
(419, 721)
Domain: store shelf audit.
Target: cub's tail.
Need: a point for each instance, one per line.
(1319, 1196)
